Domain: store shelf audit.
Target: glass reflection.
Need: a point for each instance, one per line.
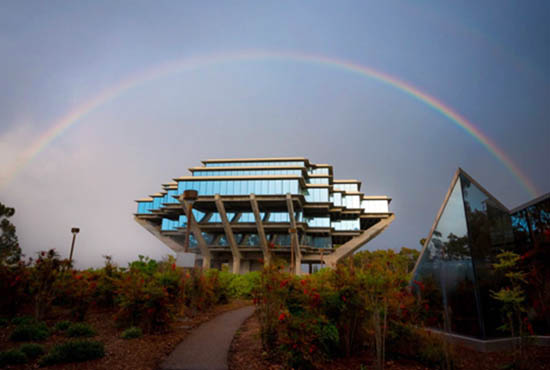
(447, 273)
(490, 232)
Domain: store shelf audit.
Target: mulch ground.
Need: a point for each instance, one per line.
(144, 353)
(246, 353)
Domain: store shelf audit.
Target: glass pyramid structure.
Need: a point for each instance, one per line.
(455, 265)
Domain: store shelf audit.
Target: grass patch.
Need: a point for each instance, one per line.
(12, 357)
(30, 332)
(32, 350)
(80, 329)
(131, 333)
(74, 351)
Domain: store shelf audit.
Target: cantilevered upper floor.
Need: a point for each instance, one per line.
(262, 198)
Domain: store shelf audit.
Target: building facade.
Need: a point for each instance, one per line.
(251, 210)
(456, 269)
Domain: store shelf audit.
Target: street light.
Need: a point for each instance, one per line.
(74, 230)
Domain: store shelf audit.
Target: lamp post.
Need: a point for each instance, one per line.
(188, 198)
(74, 230)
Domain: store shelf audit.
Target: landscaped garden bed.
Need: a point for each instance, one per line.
(247, 354)
(112, 317)
(365, 313)
(144, 352)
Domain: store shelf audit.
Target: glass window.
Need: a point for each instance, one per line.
(223, 241)
(490, 232)
(215, 218)
(447, 272)
(208, 237)
(253, 240)
(278, 187)
(375, 206)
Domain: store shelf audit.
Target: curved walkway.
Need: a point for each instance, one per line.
(206, 348)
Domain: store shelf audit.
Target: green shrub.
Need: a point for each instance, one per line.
(80, 329)
(19, 320)
(12, 357)
(62, 325)
(4, 322)
(74, 351)
(242, 286)
(131, 333)
(32, 350)
(142, 300)
(30, 332)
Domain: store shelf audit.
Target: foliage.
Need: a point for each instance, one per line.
(148, 293)
(146, 299)
(12, 357)
(73, 351)
(80, 329)
(20, 320)
(10, 253)
(512, 298)
(131, 333)
(32, 350)
(242, 286)
(45, 280)
(62, 325)
(106, 278)
(311, 318)
(30, 331)
(144, 265)
(14, 281)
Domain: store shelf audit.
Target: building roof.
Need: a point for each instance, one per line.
(530, 203)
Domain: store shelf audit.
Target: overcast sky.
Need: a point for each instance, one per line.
(489, 61)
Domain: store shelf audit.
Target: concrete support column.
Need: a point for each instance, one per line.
(352, 245)
(195, 229)
(229, 235)
(260, 228)
(206, 261)
(297, 268)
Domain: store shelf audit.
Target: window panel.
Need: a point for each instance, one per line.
(279, 187)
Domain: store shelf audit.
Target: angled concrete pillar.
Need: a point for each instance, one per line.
(260, 228)
(229, 235)
(195, 229)
(294, 236)
(352, 245)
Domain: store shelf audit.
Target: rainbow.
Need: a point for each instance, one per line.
(75, 115)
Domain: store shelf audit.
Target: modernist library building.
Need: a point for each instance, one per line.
(249, 211)
(456, 262)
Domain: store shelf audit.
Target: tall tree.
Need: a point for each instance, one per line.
(9, 245)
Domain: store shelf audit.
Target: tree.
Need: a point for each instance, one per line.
(9, 245)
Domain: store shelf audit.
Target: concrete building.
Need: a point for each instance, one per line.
(251, 210)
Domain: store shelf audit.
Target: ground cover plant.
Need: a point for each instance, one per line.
(74, 351)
